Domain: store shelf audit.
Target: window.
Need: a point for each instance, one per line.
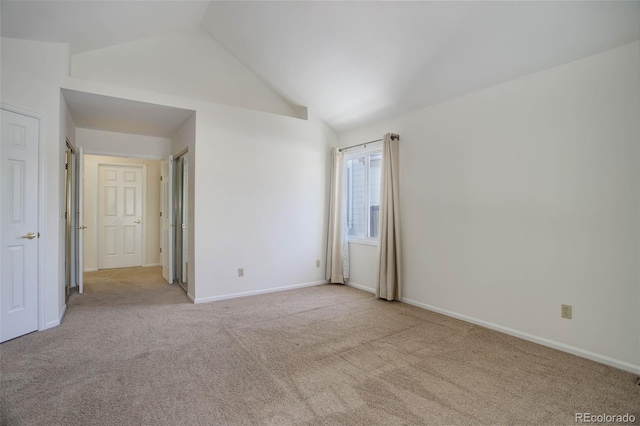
(362, 187)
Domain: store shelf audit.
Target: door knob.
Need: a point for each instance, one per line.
(136, 221)
(30, 236)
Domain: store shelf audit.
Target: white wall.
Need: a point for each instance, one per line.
(187, 63)
(260, 202)
(100, 142)
(524, 196)
(185, 138)
(260, 193)
(67, 125)
(151, 220)
(31, 75)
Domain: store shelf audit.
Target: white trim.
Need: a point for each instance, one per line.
(42, 203)
(364, 241)
(255, 292)
(150, 265)
(361, 287)
(143, 235)
(80, 253)
(193, 299)
(603, 359)
(114, 154)
(57, 322)
(90, 269)
(184, 155)
(181, 153)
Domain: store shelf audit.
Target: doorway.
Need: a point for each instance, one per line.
(120, 213)
(142, 133)
(181, 215)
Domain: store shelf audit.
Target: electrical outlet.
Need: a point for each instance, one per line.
(241, 272)
(317, 263)
(566, 311)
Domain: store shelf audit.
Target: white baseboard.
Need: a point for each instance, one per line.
(603, 359)
(149, 265)
(361, 287)
(255, 292)
(190, 296)
(57, 322)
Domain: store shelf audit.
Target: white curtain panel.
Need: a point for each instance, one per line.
(389, 285)
(337, 270)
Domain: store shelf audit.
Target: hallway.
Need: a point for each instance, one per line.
(128, 286)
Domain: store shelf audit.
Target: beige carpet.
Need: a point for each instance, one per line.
(132, 350)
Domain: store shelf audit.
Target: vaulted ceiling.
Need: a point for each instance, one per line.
(89, 25)
(352, 63)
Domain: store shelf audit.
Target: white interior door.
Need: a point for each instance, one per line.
(166, 211)
(81, 226)
(19, 206)
(119, 216)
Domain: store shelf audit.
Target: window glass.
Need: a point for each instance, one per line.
(356, 199)
(375, 167)
(362, 194)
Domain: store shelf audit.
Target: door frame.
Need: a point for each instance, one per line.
(182, 156)
(166, 222)
(42, 174)
(72, 229)
(143, 235)
(81, 227)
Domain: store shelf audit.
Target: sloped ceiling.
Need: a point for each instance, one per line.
(88, 25)
(188, 63)
(357, 62)
(352, 63)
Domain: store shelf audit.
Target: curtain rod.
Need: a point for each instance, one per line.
(360, 144)
(365, 143)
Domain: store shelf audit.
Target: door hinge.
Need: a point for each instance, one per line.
(160, 214)
(66, 166)
(160, 249)
(160, 177)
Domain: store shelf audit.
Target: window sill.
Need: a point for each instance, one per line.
(364, 241)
